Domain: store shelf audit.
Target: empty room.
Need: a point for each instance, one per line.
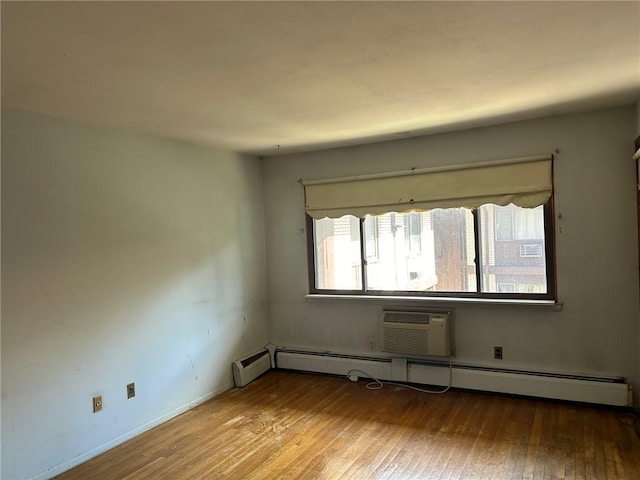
(320, 240)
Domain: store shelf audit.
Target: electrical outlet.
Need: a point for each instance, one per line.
(97, 403)
(131, 390)
(497, 353)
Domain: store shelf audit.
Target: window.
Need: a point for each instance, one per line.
(412, 235)
(371, 232)
(338, 258)
(470, 250)
(531, 250)
(517, 258)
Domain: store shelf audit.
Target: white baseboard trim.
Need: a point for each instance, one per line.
(128, 436)
(596, 390)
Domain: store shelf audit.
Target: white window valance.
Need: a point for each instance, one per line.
(526, 182)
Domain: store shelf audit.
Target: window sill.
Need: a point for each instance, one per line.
(439, 301)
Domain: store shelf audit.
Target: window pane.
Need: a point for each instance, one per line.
(426, 251)
(337, 253)
(455, 250)
(512, 243)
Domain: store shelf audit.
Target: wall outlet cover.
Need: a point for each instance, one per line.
(97, 403)
(497, 353)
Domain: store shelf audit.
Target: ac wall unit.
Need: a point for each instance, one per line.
(249, 368)
(412, 332)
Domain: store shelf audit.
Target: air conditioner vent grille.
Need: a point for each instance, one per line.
(408, 317)
(416, 333)
(404, 340)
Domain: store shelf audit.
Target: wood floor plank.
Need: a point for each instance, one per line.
(288, 425)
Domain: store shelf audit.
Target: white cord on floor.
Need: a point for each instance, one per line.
(378, 384)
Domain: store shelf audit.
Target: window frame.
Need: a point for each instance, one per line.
(549, 255)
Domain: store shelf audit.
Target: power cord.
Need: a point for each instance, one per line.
(378, 384)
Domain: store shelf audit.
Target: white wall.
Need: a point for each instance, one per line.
(596, 333)
(125, 258)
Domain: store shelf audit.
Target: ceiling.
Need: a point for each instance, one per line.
(252, 76)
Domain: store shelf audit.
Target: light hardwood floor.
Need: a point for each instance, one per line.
(289, 425)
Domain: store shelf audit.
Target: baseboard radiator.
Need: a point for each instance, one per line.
(249, 368)
(597, 390)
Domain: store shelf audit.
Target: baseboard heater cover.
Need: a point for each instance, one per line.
(597, 390)
(249, 368)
